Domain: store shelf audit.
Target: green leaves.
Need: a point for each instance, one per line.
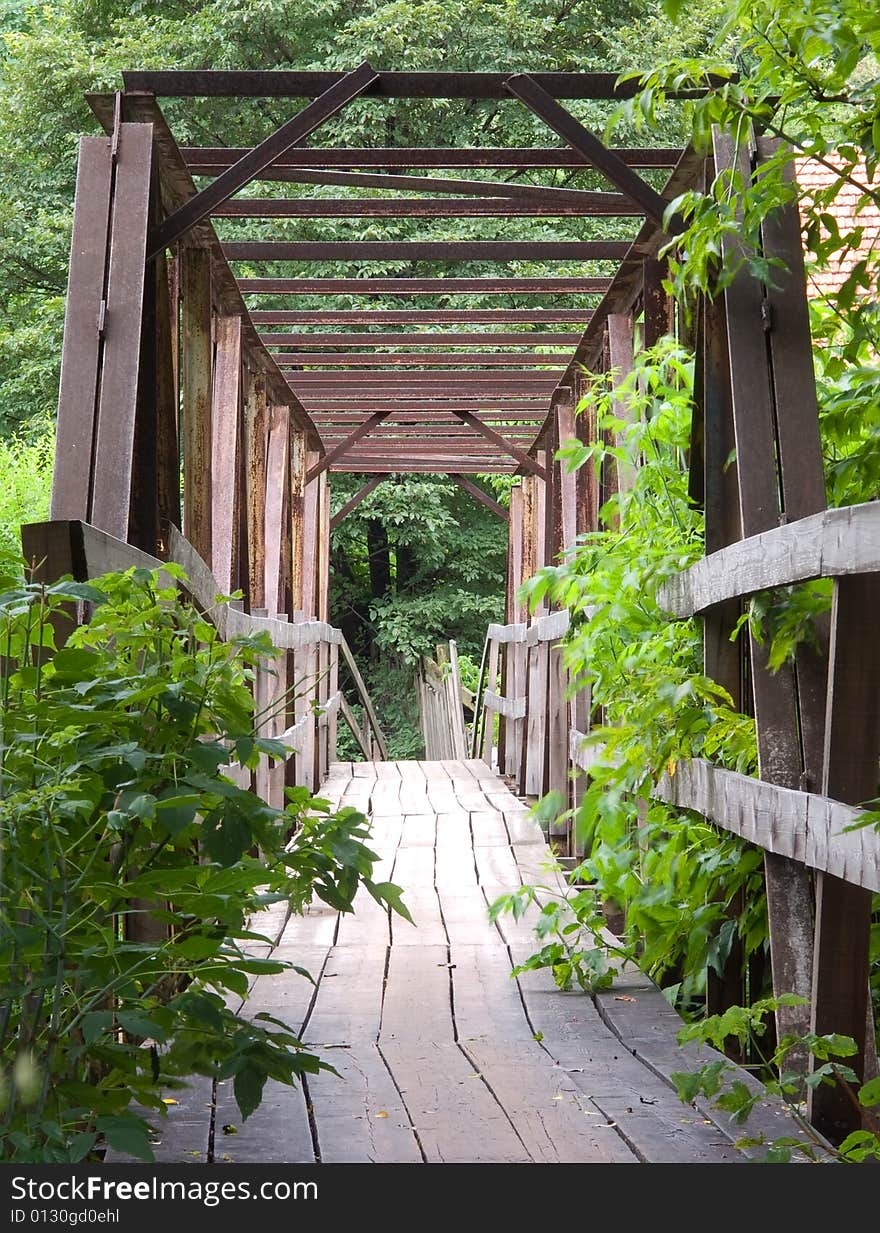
(129, 1134)
(118, 824)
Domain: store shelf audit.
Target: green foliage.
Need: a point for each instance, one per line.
(804, 72)
(673, 873)
(26, 468)
(748, 1026)
(133, 870)
(577, 948)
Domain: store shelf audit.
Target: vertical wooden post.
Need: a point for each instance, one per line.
(276, 478)
(81, 350)
(225, 436)
(760, 425)
(587, 477)
(323, 553)
(535, 724)
(557, 734)
(722, 659)
(333, 689)
(256, 415)
(196, 374)
(488, 733)
(566, 480)
(114, 461)
(655, 302)
(620, 358)
(511, 682)
(310, 541)
(297, 488)
(843, 911)
(586, 520)
(167, 397)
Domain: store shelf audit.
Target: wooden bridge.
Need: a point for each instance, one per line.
(176, 378)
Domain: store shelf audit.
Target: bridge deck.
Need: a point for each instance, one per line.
(442, 1056)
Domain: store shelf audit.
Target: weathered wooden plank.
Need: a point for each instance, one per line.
(841, 964)
(225, 436)
(457, 1117)
(196, 373)
(536, 719)
(556, 1122)
(360, 1117)
(775, 694)
(123, 321)
(834, 543)
(255, 428)
(278, 1130)
(80, 355)
(807, 827)
(276, 487)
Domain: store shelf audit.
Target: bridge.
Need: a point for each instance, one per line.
(200, 426)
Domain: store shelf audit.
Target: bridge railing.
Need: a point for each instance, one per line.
(297, 696)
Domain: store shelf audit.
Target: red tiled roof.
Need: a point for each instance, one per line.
(848, 213)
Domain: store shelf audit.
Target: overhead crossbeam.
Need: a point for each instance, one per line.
(524, 338)
(401, 359)
(421, 156)
(282, 83)
(426, 250)
(420, 316)
(527, 89)
(347, 87)
(600, 205)
(423, 286)
(427, 184)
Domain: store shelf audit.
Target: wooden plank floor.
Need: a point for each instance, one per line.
(442, 1056)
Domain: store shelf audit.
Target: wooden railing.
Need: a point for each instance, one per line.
(297, 695)
(535, 716)
(543, 738)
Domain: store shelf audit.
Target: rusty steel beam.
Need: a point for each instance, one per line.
(524, 460)
(524, 338)
(599, 205)
(346, 87)
(368, 465)
(361, 431)
(279, 83)
(527, 89)
(428, 184)
(426, 250)
(421, 156)
(353, 502)
(420, 316)
(423, 286)
(430, 359)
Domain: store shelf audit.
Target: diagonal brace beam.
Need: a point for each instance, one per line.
(261, 156)
(353, 502)
(588, 145)
(483, 497)
(338, 450)
(524, 459)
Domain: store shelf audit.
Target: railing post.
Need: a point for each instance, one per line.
(196, 380)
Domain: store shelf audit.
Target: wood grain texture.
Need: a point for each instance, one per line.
(808, 828)
(832, 544)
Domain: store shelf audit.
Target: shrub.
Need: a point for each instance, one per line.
(131, 866)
